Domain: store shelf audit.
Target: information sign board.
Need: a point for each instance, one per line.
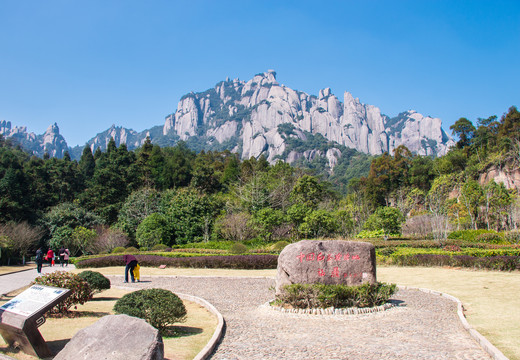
(32, 300)
(21, 316)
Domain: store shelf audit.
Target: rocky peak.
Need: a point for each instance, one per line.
(252, 111)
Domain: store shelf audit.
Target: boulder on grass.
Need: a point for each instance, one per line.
(115, 337)
(326, 262)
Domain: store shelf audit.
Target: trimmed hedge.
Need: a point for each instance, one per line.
(211, 262)
(504, 263)
(304, 296)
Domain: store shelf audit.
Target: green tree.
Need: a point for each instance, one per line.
(152, 230)
(307, 191)
(388, 219)
(139, 204)
(267, 219)
(470, 195)
(464, 130)
(62, 219)
(318, 223)
(87, 164)
(189, 214)
(82, 241)
(178, 166)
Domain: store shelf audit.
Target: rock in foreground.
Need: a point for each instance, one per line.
(115, 337)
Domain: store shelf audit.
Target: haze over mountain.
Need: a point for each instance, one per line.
(262, 117)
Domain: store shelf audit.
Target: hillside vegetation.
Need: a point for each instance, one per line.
(174, 196)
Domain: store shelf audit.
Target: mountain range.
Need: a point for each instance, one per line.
(262, 117)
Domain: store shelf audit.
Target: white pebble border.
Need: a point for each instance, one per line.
(217, 334)
(483, 342)
(330, 310)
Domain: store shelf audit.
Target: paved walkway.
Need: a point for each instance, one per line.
(13, 281)
(424, 326)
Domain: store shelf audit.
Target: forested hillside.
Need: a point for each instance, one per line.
(172, 195)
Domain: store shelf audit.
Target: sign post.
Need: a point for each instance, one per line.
(21, 317)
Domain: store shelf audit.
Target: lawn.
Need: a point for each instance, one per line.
(490, 298)
(191, 336)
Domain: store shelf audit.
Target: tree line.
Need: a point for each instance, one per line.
(172, 195)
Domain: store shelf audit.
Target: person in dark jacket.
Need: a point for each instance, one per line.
(131, 262)
(61, 253)
(39, 260)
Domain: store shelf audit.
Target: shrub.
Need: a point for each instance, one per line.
(81, 290)
(503, 263)
(322, 296)
(160, 247)
(469, 235)
(280, 245)
(238, 248)
(452, 248)
(118, 250)
(513, 237)
(367, 234)
(490, 238)
(131, 250)
(96, 280)
(387, 251)
(160, 308)
(198, 262)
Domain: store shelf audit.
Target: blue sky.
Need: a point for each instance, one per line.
(89, 64)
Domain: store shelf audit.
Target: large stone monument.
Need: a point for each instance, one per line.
(326, 262)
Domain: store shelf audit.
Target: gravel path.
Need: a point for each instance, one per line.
(423, 326)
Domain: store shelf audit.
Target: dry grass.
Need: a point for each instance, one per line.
(192, 335)
(149, 271)
(11, 269)
(491, 298)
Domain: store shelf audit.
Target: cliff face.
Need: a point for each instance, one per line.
(253, 112)
(507, 175)
(263, 117)
(51, 142)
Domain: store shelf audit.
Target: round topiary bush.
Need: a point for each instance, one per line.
(96, 280)
(131, 250)
(160, 308)
(238, 248)
(280, 245)
(81, 290)
(118, 250)
(159, 247)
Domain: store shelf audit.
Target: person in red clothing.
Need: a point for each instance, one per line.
(131, 262)
(50, 256)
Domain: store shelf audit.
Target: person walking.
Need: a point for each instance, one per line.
(39, 260)
(50, 256)
(61, 254)
(66, 255)
(131, 262)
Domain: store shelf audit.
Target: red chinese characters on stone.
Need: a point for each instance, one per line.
(333, 273)
(352, 275)
(329, 257)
